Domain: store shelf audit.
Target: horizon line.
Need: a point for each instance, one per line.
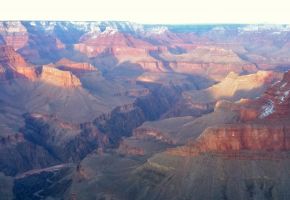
(164, 24)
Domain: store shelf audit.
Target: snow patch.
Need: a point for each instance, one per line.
(284, 84)
(277, 82)
(284, 96)
(32, 23)
(276, 28)
(158, 30)
(109, 31)
(267, 109)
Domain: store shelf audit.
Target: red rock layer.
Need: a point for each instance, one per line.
(8, 56)
(59, 78)
(14, 66)
(27, 72)
(237, 138)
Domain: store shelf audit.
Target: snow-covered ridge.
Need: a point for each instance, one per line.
(158, 30)
(109, 31)
(89, 26)
(11, 27)
(276, 28)
(284, 96)
(129, 27)
(96, 29)
(283, 93)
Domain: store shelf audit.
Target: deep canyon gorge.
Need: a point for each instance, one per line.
(115, 110)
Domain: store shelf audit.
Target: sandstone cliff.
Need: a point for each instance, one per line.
(236, 139)
(59, 78)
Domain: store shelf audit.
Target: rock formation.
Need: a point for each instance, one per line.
(264, 126)
(59, 78)
(108, 96)
(14, 34)
(75, 67)
(14, 66)
(232, 88)
(236, 139)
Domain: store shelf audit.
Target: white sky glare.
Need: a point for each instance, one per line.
(150, 11)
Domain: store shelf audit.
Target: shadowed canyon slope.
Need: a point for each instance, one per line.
(119, 110)
(228, 154)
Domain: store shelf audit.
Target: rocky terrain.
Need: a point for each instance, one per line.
(259, 143)
(59, 78)
(233, 87)
(119, 110)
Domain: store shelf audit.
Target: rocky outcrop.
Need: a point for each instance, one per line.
(275, 103)
(10, 57)
(13, 65)
(26, 72)
(59, 78)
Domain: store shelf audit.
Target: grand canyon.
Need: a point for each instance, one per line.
(115, 110)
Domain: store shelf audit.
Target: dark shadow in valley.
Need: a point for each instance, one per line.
(155, 54)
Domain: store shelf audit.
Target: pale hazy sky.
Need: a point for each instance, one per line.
(150, 11)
